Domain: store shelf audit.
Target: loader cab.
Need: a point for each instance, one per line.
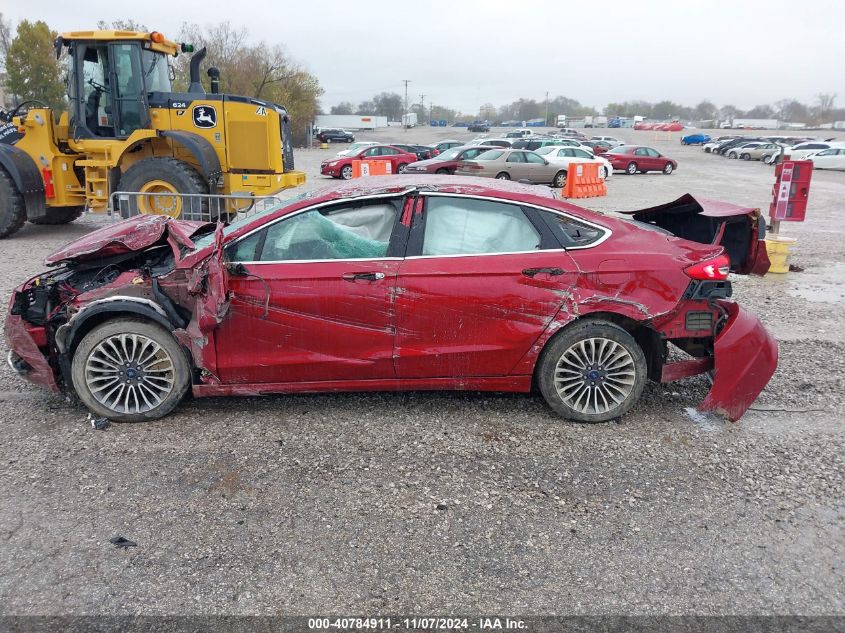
(108, 83)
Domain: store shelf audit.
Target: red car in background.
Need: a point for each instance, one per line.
(447, 161)
(341, 166)
(598, 147)
(403, 283)
(638, 158)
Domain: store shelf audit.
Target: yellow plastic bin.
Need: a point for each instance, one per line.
(778, 249)
(324, 146)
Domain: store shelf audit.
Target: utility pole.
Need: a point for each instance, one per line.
(546, 122)
(406, 81)
(422, 108)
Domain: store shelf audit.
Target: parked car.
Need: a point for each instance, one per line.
(756, 151)
(442, 146)
(537, 143)
(714, 143)
(597, 147)
(494, 142)
(804, 150)
(513, 164)
(637, 158)
(504, 287)
(341, 166)
(335, 136)
(695, 139)
(447, 161)
(356, 147)
(610, 140)
(737, 150)
(565, 155)
(423, 152)
(515, 134)
(726, 146)
(831, 158)
(478, 127)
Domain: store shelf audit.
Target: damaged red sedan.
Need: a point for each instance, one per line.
(401, 284)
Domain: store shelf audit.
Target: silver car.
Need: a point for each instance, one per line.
(514, 164)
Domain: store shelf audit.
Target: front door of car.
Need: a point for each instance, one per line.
(538, 169)
(481, 282)
(312, 300)
(516, 166)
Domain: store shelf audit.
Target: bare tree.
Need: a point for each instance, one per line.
(824, 104)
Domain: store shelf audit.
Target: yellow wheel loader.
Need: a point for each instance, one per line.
(126, 130)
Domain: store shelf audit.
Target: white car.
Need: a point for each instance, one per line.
(831, 158)
(614, 142)
(357, 145)
(804, 150)
(565, 155)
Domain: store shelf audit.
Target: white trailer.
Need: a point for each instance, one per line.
(409, 120)
(756, 124)
(349, 121)
(561, 120)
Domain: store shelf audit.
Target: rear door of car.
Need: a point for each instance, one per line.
(481, 281)
(643, 160)
(312, 297)
(517, 166)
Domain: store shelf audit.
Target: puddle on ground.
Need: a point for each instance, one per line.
(820, 285)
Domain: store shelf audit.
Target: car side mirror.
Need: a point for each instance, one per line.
(236, 269)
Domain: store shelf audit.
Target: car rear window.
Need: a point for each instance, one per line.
(490, 154)
(570, 232)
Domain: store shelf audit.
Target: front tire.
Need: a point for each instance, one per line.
(746, 157)
(559, 180)
(346, 172)
(157, 177)
(592, 371)
(12, 206)
(130, 370)
(631, 168)
(668, 169)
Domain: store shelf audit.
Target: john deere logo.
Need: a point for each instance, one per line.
(205, 116)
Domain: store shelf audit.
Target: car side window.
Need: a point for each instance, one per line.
(652, 152)
(642, 151)
(389, 151)
(580, 153)
(570, 232)
(516, 157)
(371, 152)
(465, 226)
(361, 231)
(534, 158)
(472, 153)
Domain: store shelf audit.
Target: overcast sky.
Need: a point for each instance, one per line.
(467, 52)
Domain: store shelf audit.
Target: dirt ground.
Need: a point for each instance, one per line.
(452, 503)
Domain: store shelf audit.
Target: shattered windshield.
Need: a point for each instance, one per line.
(247, 217)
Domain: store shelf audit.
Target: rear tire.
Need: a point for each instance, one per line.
(745, 156)
(402, 168)
(631, 168)
(732, 155)
(161, 175)
(12, 206)
(60, 215)
(596, 359)
(132, 354)
(503, 176)
(442, 172)
(559, 179)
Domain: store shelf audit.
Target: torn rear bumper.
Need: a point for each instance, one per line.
(745, 357)
(25, 357)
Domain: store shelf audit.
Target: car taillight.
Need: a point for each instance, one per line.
(715, 269)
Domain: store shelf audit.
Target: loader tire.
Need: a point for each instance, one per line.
(157, 177)
(60, 215)
(12, 206)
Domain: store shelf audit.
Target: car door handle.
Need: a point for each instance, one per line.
(363, 276)
(530, 272)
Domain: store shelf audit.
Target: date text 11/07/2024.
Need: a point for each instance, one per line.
(417, 624)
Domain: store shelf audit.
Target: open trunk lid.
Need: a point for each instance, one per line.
(740, 230)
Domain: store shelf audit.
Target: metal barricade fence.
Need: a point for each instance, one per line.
(189, 206)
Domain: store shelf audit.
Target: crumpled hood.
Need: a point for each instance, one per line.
(135, 234)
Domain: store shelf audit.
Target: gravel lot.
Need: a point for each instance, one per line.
(451, 503)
